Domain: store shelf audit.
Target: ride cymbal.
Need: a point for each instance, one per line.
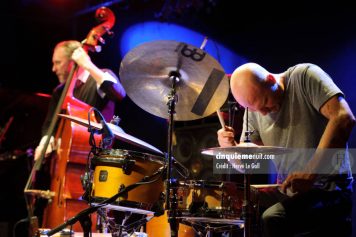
(116, 130)
(245, 148)
(147, 71)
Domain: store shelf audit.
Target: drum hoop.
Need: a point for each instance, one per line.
(207, 184)
(119, 157)
(124, 203)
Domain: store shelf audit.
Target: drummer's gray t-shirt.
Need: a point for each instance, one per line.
(298, 123)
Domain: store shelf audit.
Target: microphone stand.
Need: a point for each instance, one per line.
(171, 199)
(83, 215)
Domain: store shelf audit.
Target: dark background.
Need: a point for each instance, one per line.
(275, 36)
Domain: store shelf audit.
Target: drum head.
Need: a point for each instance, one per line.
(118, 157)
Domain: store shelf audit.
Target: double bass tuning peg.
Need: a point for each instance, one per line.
(91, 48)
(108, 31)
(99, 38)
(97, 48)
(111, 33)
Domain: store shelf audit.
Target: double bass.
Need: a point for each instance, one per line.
(69, 161)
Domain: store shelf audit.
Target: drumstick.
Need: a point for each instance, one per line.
(202, 46)
(221, 119)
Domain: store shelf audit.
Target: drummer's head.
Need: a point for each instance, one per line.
(254, 87)
(61, 58)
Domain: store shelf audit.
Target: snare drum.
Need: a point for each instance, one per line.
(199, 198)
(116, 169)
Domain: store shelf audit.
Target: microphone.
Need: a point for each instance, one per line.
(107, 134)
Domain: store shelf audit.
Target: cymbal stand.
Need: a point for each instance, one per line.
(122, 226)
(211, 230)
(246, 206)
(171, 198)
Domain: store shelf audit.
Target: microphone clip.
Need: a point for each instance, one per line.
(107, 134)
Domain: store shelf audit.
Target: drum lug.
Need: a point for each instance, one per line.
(85, 180)
(127, 166)
(158, 207)
(124, 196)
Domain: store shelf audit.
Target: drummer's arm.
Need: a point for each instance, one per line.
(337, 132)
(340, 123)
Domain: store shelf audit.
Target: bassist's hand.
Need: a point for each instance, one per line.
(40, 147)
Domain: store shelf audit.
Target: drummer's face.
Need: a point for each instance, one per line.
(262, 99)
(265, 103)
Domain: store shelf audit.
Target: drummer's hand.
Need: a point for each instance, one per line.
(226, 136)
(298, 182)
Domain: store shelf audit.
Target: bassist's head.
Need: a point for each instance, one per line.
(61, 58)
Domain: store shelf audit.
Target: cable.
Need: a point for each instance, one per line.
(16, 224)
